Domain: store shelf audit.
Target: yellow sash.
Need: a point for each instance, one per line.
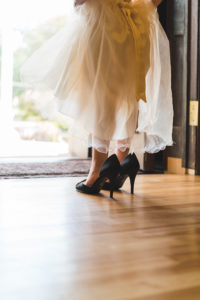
(138, 14)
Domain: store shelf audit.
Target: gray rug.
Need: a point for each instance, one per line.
(51, 168)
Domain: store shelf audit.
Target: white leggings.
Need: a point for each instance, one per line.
(104, 145)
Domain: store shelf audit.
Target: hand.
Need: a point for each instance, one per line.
(157, 2)
(79, 2)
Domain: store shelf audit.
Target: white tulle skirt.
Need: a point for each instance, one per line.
(109, 68)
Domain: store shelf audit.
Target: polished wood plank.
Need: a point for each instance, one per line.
(59, 244)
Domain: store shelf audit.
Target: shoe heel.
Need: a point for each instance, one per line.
(132, 181)
(112, 186)
(111, 194)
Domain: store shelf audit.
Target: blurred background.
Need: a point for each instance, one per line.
(29, 122)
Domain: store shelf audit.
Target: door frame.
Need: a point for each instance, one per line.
(194, 85)
(197, 166)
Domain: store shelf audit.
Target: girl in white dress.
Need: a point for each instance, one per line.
(110, 70)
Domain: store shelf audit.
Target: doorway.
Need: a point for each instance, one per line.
(33, 126)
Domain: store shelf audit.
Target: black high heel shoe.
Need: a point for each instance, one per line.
(128, 168)
(109, 170)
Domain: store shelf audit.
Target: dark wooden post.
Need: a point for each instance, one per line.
(177, 28)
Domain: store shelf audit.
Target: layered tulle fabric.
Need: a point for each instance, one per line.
(110, 70)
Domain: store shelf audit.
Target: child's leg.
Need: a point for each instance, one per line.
(99, 155)
(123, 148)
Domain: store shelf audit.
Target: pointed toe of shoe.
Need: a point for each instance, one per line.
(81, 187)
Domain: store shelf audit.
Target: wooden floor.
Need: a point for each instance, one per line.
(58, 244)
